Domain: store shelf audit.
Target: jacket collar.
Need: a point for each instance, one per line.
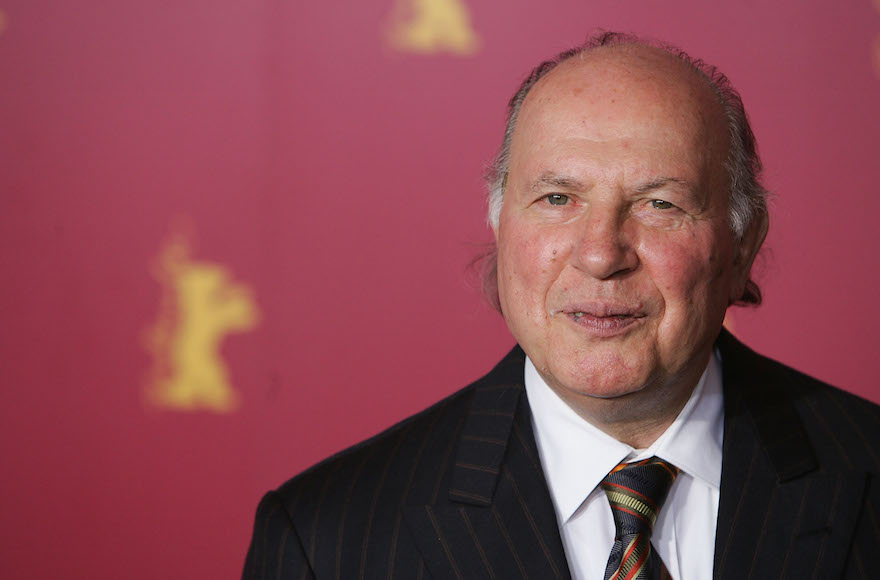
(497, 519)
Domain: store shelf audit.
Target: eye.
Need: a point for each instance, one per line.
(660, 204)
(557, 199)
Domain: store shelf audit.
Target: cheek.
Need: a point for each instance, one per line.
(531, 254)
(685, 269)
(528, 263)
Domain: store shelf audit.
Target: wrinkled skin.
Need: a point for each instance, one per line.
(616, 260)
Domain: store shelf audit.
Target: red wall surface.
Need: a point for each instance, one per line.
(293, 179)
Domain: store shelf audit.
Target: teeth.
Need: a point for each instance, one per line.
(578, 314)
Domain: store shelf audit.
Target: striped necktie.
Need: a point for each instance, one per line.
(636, 492)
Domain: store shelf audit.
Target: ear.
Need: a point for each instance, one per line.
(495, 224)
(745, 253)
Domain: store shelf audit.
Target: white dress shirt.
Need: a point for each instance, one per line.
(576, 456)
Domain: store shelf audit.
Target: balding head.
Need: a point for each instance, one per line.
(618, 56)
(615, 93)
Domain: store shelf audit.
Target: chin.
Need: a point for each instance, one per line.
(611, 389)
(599, 379)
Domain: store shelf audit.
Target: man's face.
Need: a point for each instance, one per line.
(616, 261)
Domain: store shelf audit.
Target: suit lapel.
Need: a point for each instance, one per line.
(496, 519)
(780, 515)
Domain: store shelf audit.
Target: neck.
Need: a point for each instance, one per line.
(639, 418)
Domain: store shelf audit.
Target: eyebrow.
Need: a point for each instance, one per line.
(570, 183)
(660, 182)
(554, 180)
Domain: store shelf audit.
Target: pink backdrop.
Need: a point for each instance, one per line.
(328, 179)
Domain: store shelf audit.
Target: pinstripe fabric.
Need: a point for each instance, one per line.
(458, 491)
(511, 534)
(799, 475)
(454, 492)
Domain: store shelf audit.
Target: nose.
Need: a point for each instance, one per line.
(604, 248)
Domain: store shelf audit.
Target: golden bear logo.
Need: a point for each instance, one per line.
(200, 306)
(430, 26)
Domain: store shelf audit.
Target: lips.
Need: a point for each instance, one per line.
(603, 309)
(604, 319)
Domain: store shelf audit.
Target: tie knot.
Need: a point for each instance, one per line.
(636, 492)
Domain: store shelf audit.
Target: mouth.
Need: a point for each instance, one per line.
(603, 319)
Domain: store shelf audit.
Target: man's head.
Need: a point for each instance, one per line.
(748, 198)
(624, 229)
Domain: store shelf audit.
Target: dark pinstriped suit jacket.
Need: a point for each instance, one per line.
(457, 491)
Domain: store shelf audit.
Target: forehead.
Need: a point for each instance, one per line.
(626, 93)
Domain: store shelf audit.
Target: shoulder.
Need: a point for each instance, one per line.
(345, 515)
(424, 435)
(404, 464)
(843, 429)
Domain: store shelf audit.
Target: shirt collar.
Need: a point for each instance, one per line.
(576, 456)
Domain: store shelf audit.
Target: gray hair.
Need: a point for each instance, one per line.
(747, 197)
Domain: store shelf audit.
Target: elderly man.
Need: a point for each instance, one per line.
(629, 436)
